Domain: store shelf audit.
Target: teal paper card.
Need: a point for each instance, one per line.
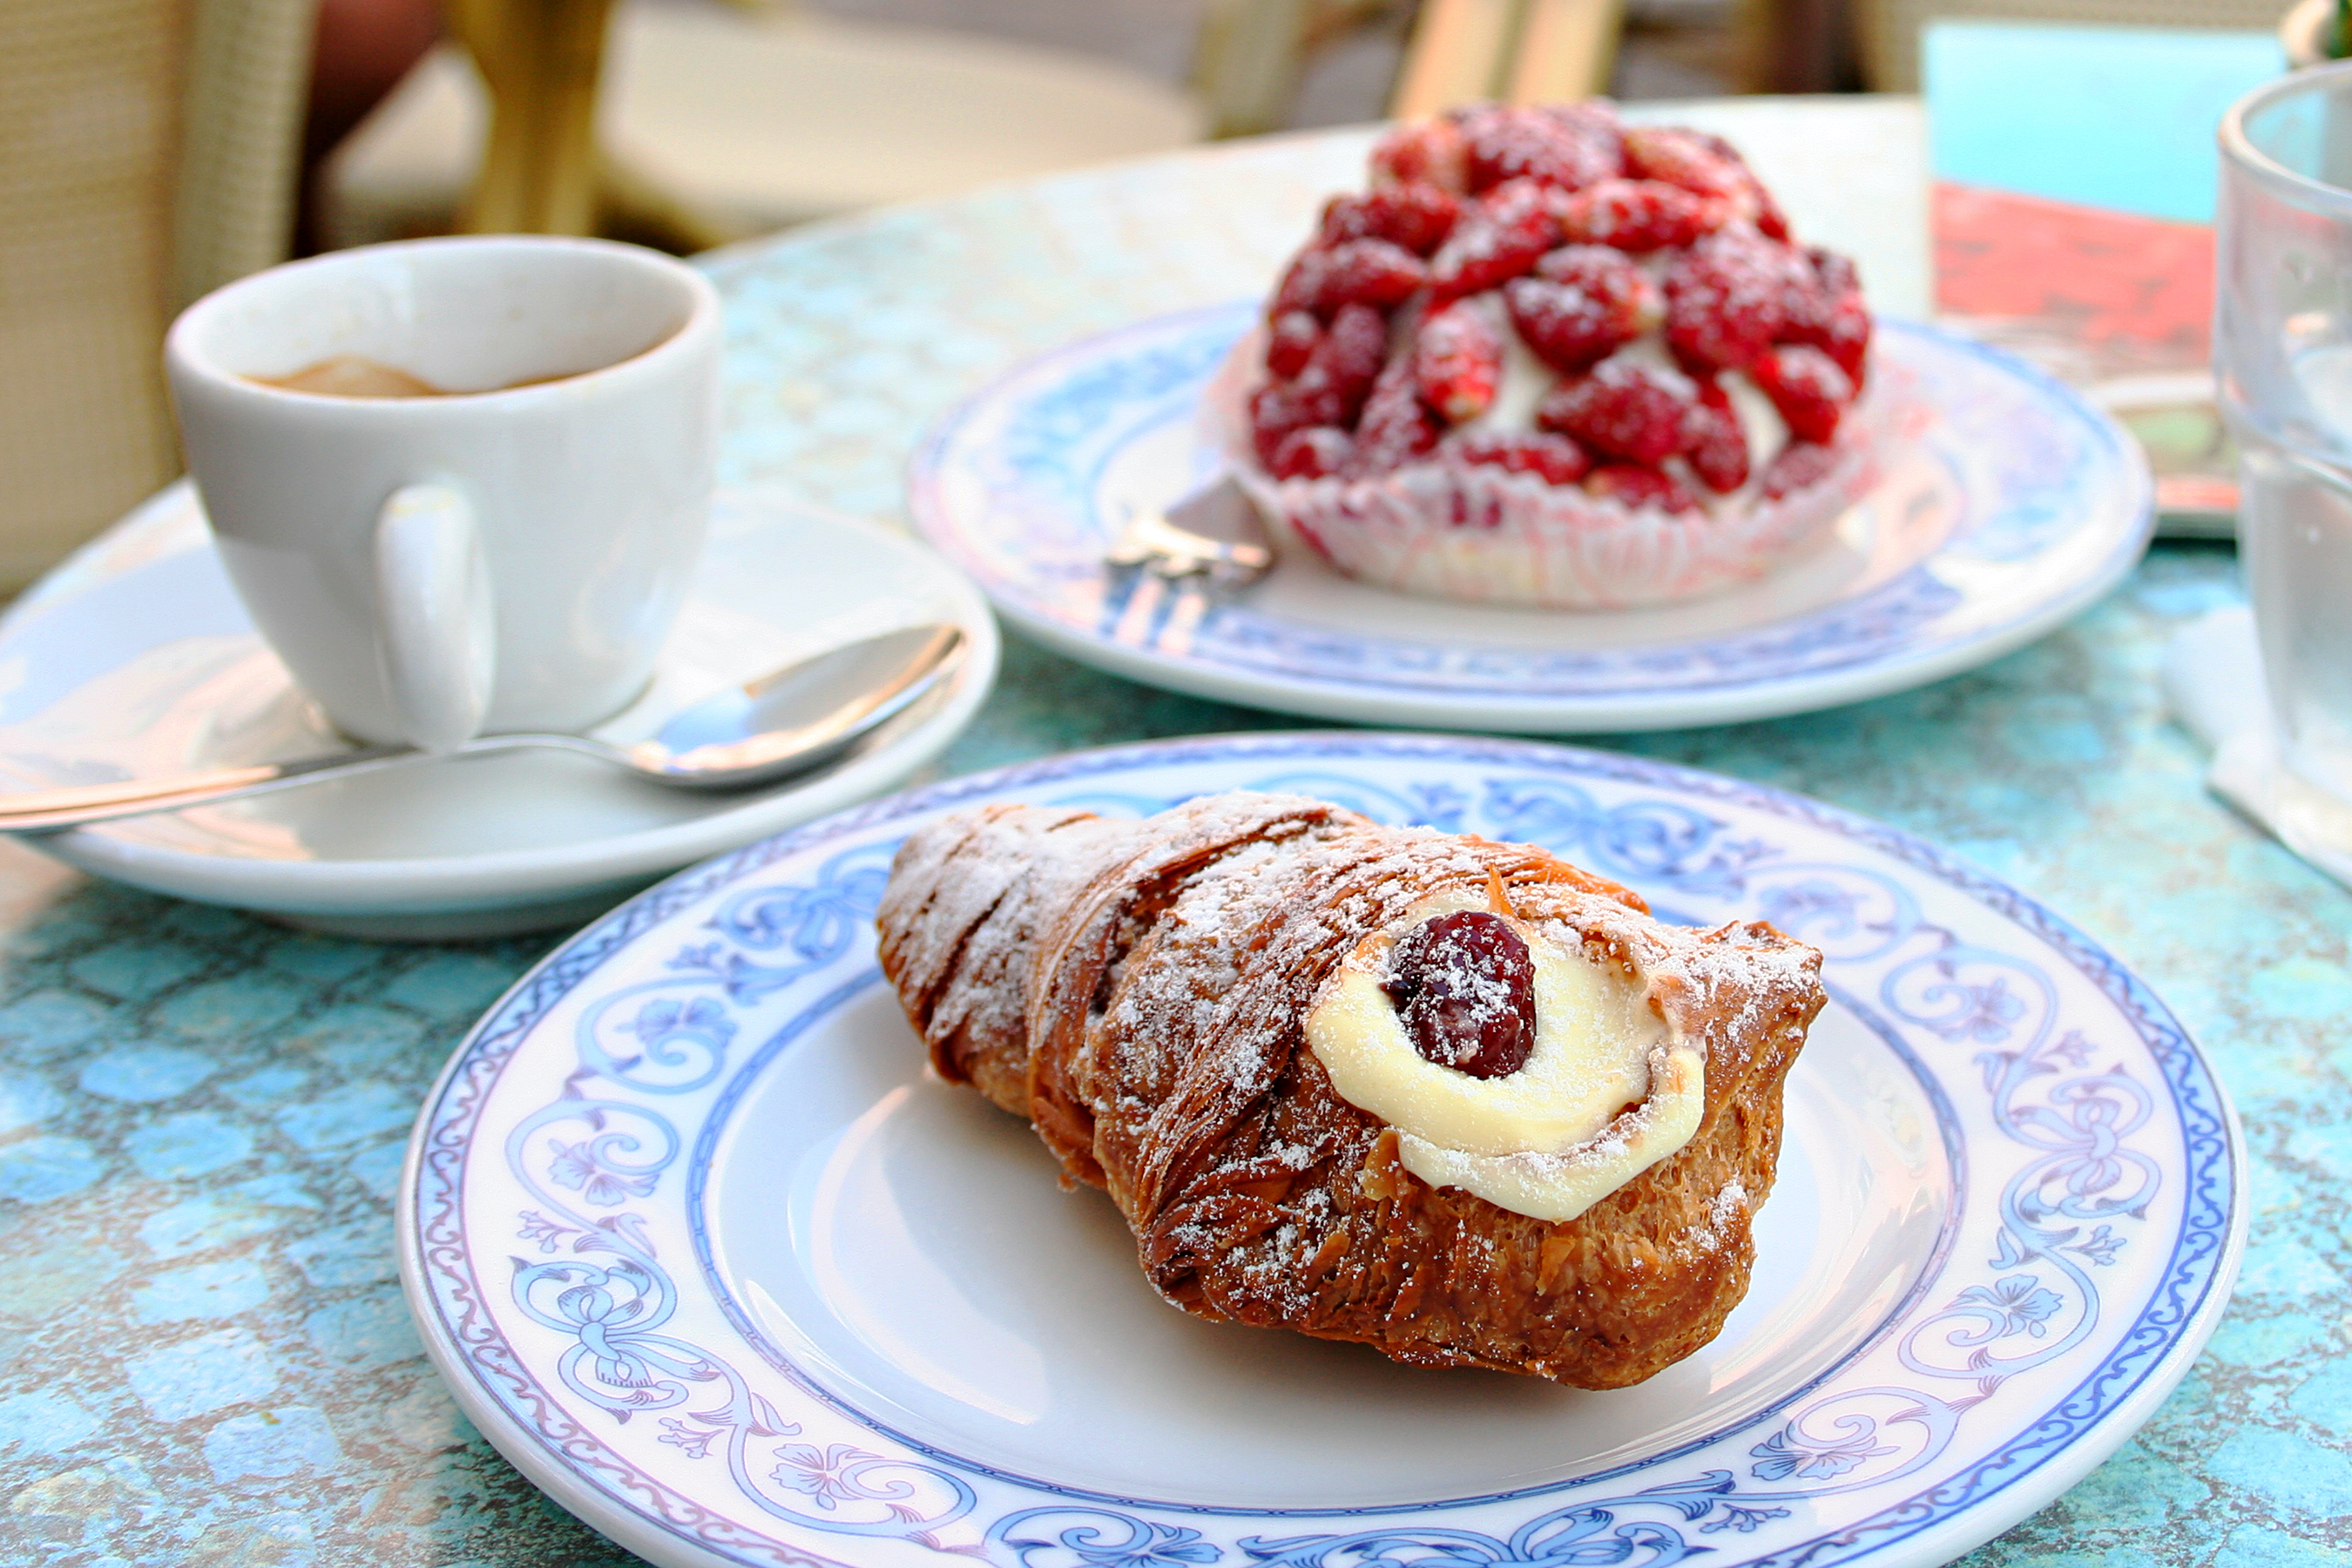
(2122, 117)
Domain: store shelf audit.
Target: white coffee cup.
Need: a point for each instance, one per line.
(507, 557)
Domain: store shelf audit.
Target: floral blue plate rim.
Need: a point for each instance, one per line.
(2056, 501)
(1998, 1004)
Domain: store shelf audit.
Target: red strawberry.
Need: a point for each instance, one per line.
(1457, 362)
(1595, 119)
(1731, 295)
(1346, 359)
(1844, 337)
(1302, 284)
(1801, 466)
(1512, 143)
(1691, 159)
(1568, 328)
(1368, 272)
(1636, 486)
(1718, 453)
(1416, 217)
(1837, 323)
(1289, 341)
(1806, 385)
(1837, 274)
(1312, 453)
(1496, 240)
(1520, 202)
(1423, 152)
(1397, 426)
(1707, 165)
(1623, 410)
(1553, 458)
(1584, 301)
(1639, 215)
(1280, 407)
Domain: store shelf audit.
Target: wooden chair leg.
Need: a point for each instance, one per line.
(1457, 55)
(1522, 52)
(1566, 49)
(541, 59)
(1249, 62)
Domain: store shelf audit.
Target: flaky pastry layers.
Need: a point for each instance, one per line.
(1136, 990)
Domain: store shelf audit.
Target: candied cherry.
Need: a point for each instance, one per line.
(1465, 985)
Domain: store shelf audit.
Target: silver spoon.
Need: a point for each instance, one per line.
(785, 722)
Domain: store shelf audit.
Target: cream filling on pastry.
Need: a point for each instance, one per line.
(1607, 1091)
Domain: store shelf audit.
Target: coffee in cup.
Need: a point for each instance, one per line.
(459, 484)
(356, 375)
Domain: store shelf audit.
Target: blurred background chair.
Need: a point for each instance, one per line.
(151, 151)
(714, 123)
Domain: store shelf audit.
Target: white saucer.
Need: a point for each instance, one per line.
(135, 658)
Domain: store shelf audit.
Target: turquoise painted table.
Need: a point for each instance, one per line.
(204, 1357)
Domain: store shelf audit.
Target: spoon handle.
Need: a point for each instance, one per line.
(42, 811)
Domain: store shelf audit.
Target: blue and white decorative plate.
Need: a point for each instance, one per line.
(2013, 505)
(703, 1250)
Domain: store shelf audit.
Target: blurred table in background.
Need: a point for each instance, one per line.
(204, 1355)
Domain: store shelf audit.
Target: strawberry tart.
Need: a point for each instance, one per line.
(1553, 359)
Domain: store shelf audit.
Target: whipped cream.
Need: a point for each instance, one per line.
(1607, 1091)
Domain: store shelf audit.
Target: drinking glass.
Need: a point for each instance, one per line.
(2282, 357)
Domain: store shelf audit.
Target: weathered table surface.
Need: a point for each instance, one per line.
(204, 1355)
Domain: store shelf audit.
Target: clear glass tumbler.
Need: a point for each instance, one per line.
(2283, 356)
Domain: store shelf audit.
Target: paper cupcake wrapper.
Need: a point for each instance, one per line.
(1478, 532)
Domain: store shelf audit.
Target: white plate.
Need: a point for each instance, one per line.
(2012, 507)
(135, 658)
(704, 1251)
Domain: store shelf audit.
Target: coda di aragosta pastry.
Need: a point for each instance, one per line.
(1452, 1099)
(1551, 359)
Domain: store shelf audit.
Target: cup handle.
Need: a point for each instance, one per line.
(437, 642)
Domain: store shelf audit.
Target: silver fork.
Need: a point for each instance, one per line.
(1214, 532)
